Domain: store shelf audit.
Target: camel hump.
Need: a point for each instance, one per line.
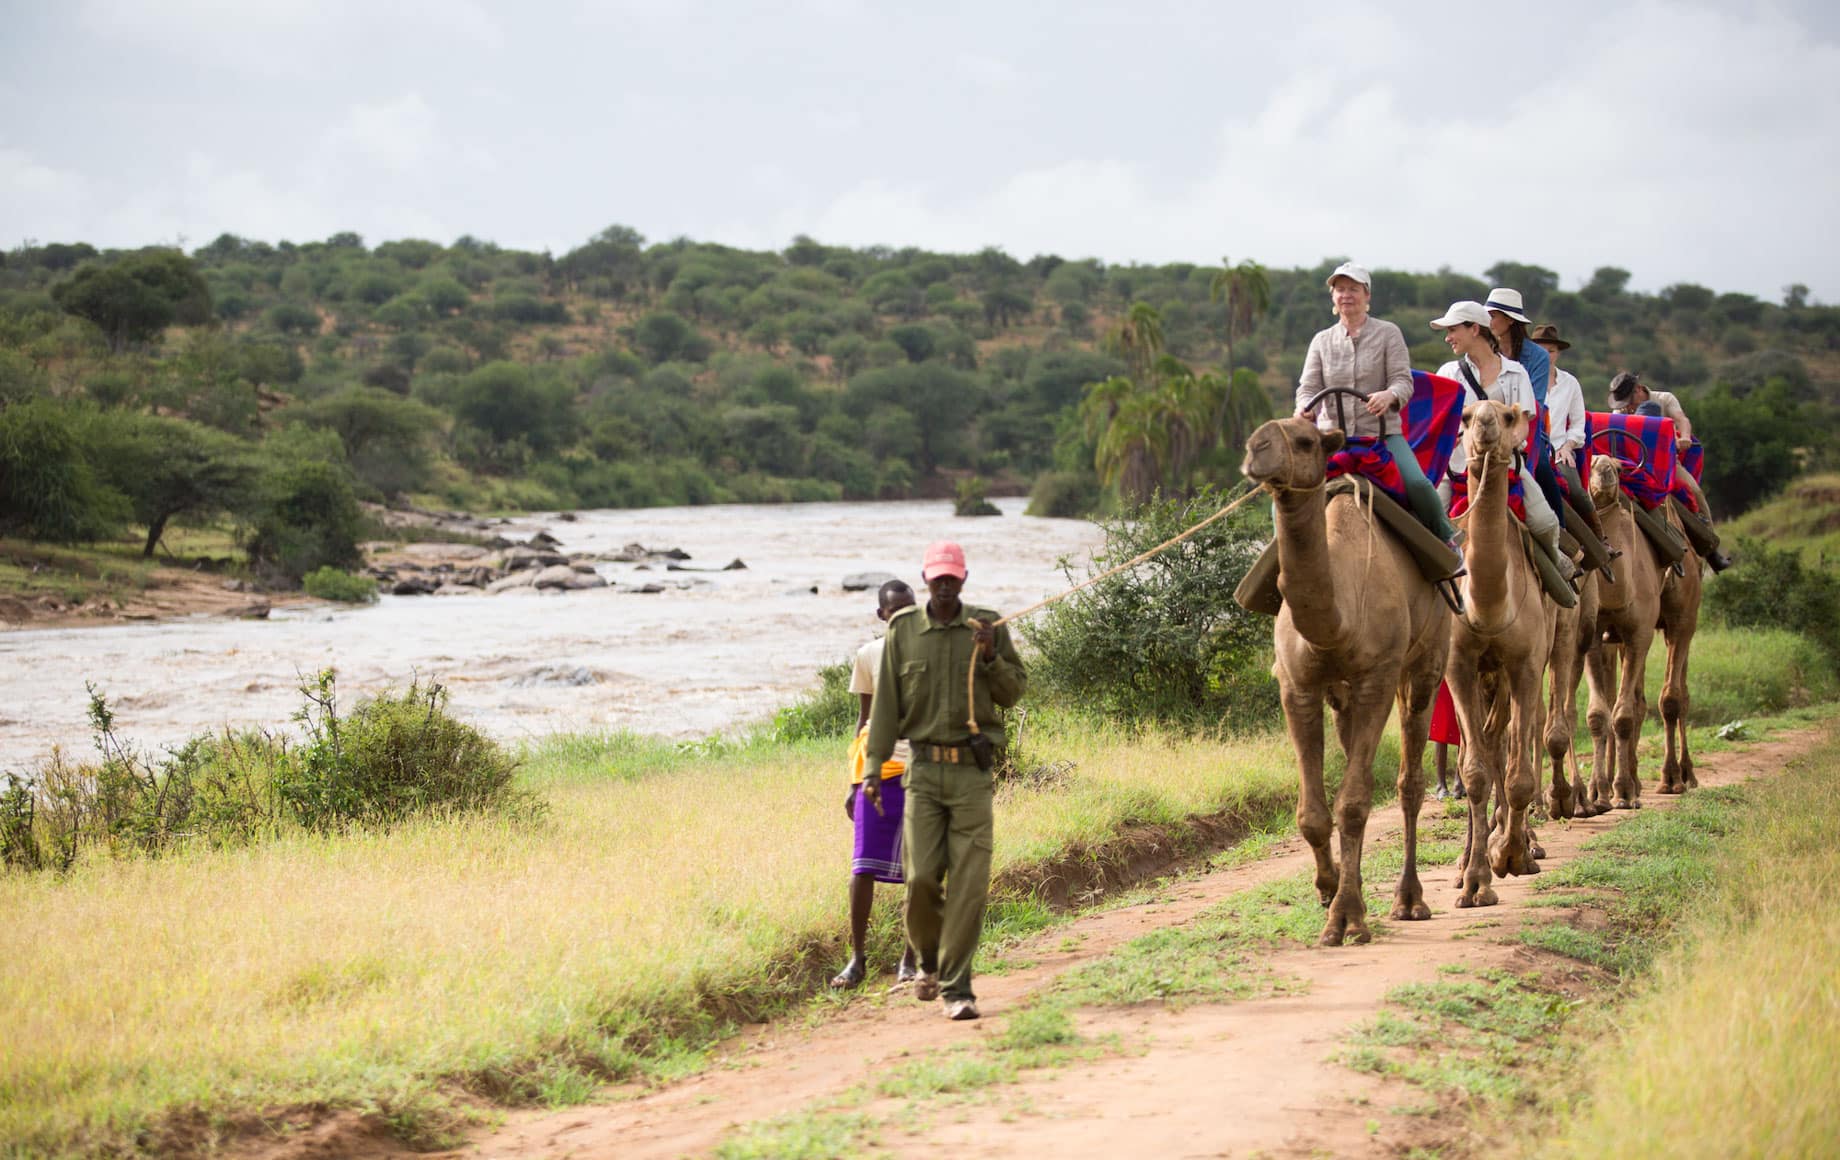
(1434, 558)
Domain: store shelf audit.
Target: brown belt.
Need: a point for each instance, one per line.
(943, 754)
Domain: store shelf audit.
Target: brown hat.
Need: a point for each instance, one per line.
(1549, 333)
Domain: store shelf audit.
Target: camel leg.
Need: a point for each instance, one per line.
(1474, 762)
(1562, 800)
(1416, 696)
(1600, 677)
(1677, 771)
(1512, 850)
(1626, 719)
(1359, 722)
(1303, 717)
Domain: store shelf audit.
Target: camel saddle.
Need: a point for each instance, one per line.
(1258, 591)
(1669, 543)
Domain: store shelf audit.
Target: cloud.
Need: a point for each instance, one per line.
(399, 135)
(1675, 139)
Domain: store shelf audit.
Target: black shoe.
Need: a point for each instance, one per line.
(1719, 560)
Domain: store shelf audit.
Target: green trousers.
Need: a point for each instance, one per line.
(945, 851)
(1421, 491)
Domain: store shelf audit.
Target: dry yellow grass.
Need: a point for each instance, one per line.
(358, 969)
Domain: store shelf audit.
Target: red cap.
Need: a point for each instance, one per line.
(943, 558)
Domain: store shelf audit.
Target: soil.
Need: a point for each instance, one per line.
(170, 593)
(1254, 1077)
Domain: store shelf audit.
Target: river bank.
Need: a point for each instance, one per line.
(710, 651)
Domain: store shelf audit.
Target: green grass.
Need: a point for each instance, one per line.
(1806, 517)
(1475, 1038)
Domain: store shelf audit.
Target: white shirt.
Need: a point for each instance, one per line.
(862, 680)
(1565, 407)
(1512, 386)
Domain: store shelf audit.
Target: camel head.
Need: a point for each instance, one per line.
(1606, 480)
(1289, 454)
(1494, 431)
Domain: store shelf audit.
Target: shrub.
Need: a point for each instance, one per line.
(1164, 642)
(972, 499)
(1066, 495)
(394, 757)
(828, 711)
(1773, 588)
(307, 518)
(48, 490)
(332, 584)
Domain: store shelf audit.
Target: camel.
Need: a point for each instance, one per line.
(1574, 631)
(1498, 650)
(1360, 628)
(1628, 611)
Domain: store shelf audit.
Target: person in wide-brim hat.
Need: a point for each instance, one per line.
(1547, 335)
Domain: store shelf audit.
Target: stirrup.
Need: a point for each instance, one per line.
(1453, 596)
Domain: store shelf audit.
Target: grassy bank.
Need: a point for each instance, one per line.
(672, 890)
(662, 897)
(1731, 1046)
(1805, 517)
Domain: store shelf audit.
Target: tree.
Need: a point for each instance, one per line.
(1606, 282)
(305, 517)
(1133, 453)
(385, 437)
(1795, 296)
(1752, 443)
(664, 336)
(48, 490)
(1246, 289)
(1137, 339)
(508, 404)
(1004, 305)
(1534, 282)
(168, 467)
(136, 299)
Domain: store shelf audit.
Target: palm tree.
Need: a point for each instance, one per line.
(1244, 406)
(1246, 290)
(1138, 338)
(1101, 405)
(1134, 451)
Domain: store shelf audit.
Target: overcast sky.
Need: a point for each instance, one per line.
(1684, 142)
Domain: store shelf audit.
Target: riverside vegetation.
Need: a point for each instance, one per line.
(259, 390)
(373, 943)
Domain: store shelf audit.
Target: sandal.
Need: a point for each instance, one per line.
(849, 978)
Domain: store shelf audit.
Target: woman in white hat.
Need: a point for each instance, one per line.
(1508, 320)
(1487, 373)
(1368, 356)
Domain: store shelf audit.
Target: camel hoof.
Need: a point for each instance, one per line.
(1360, 936)
(1483, 897)
(1598, 809)
(1626, 804)
(1665, 788)
(1536, 853)
(1414, 912)
(1330, 938)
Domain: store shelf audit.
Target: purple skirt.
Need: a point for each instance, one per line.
(878, 836)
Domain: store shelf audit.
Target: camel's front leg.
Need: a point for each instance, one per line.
(1360, 723)
(1512, 850)
(1303, 717)
(1478, 752)
(1417, 694)
(1563, 799)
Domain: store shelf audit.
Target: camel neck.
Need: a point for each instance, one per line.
(1304, 574)
(1491, 540)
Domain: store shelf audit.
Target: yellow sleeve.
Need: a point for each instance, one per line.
(859, 746)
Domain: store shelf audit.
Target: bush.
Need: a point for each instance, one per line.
(828, 711)
(48, 491)
(1164, 642)
(393, 758)
(1773, 588)
(307, 518)
(972, 501)
(396, 756)
(332, 584)
(1066, 495)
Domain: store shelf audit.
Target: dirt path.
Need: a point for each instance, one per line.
(1251, 1077)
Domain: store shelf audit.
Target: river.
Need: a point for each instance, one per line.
(718, 654)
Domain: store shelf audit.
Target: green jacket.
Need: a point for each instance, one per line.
(920, 691)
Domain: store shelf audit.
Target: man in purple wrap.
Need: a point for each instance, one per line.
(877, 854)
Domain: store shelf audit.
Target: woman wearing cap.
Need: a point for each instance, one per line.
(1486, 373)
(1367, 356)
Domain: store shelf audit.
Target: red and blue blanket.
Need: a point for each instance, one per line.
(1645, 449)
(1432, 422)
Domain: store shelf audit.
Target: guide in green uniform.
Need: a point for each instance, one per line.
(921, 694)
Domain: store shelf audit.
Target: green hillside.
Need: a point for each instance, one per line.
(623, 373)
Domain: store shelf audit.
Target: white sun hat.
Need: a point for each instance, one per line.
(1350, 270)
(1509, 303)
(1461, 312)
